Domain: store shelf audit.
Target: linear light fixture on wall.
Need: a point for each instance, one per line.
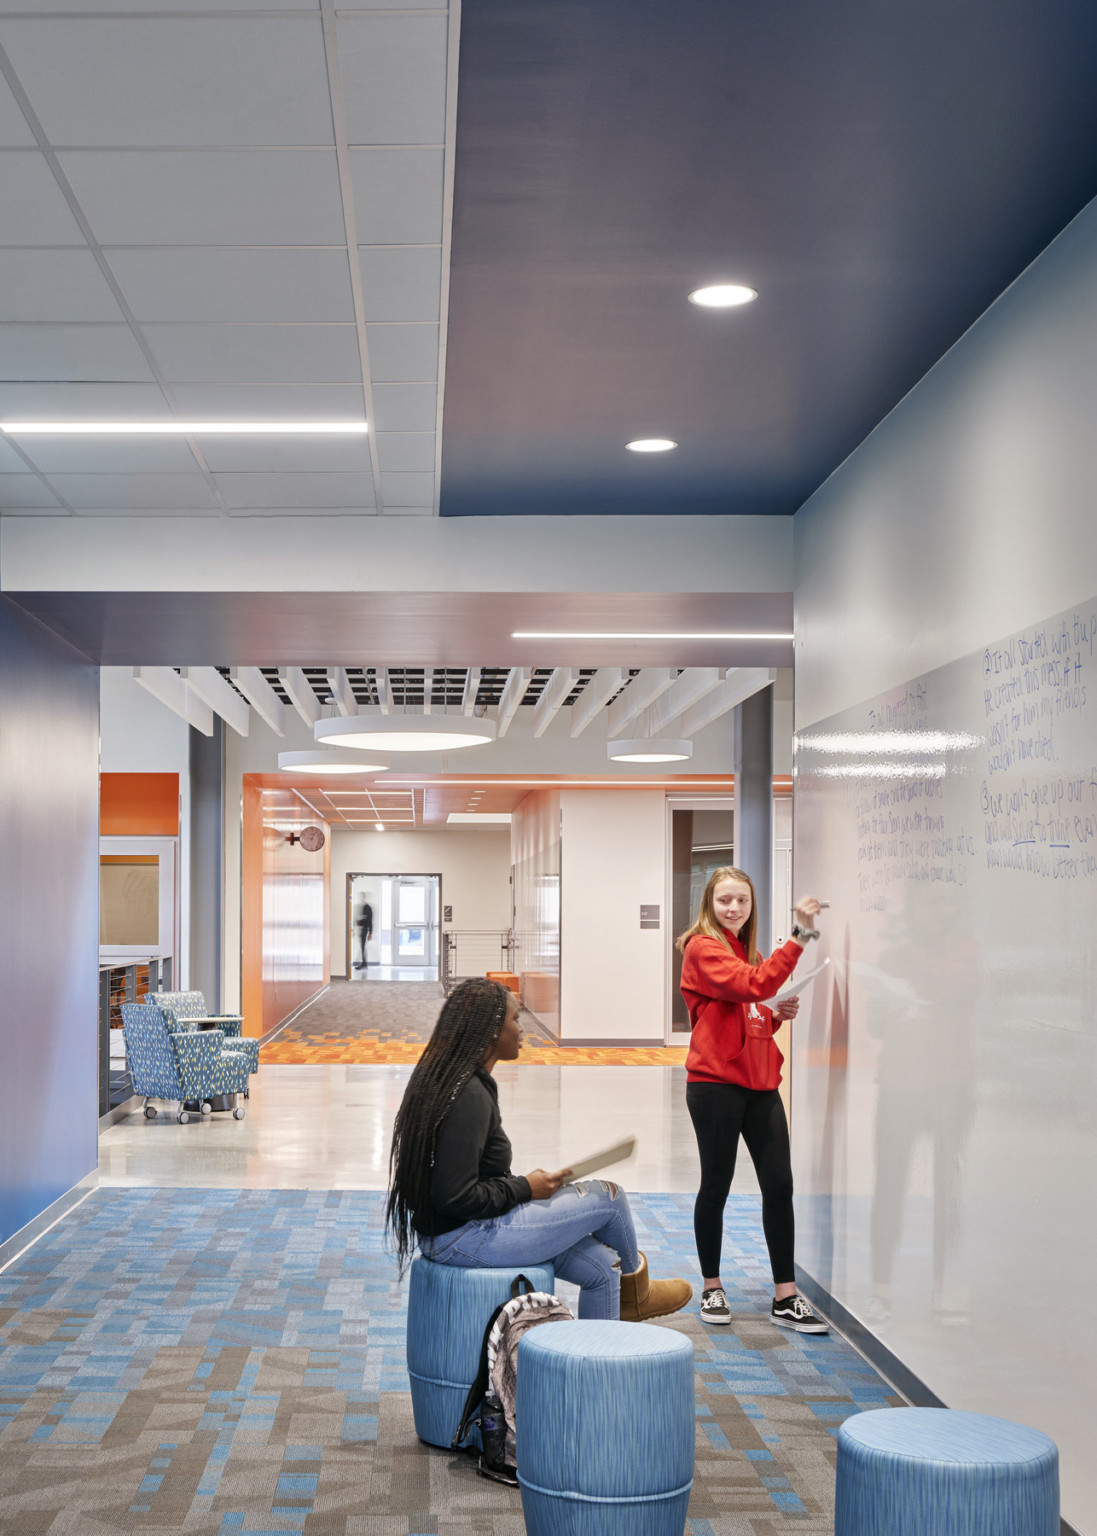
(176, 428)
(646, 634)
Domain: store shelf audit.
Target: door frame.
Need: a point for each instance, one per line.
(388, 874)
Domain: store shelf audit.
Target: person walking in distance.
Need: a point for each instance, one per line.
(733, 1069)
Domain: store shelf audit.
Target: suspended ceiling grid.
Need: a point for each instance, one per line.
(236, 214)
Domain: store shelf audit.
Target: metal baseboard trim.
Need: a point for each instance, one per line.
(120, 1111)
(18, 1243)
(296, 1014)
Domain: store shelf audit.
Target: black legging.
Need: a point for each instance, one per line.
(721, 1112)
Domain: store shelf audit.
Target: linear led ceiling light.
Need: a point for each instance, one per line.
(649, 750)
(723, 296)
(643, 634)
(651, 445)
(176, 428)
(404, 733)
(321, 761)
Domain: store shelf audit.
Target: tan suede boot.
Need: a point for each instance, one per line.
(642, 1297)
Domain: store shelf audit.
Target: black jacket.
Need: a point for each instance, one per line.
(472, 1180)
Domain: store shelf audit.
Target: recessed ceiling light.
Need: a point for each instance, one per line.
(319, 761)
(176, 428)
(644, 634)
(723, 296)
(651, 445)
(480, 818)
(649, 750)
(404, 733)
(378, 828)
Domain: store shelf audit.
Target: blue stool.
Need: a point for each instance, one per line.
(940, 1472)
(605, 1429)
(448, 1310)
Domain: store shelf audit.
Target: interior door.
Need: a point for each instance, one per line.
(416, 921)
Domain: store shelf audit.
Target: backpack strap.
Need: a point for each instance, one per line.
(517, 1283)
(479, 1387)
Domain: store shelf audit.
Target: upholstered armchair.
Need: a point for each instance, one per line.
(187, 1006)
(181, 1065)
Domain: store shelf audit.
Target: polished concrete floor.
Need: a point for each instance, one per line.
(329, 1127)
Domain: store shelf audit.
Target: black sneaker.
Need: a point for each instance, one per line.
(714, 1307)
(795, 1313)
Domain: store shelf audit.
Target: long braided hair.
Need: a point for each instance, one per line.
(468, 1026)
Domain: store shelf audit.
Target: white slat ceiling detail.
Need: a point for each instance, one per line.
(186, 233)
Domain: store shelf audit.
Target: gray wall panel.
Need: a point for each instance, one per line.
(49, 905)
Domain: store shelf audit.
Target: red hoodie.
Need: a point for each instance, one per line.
(732, 1039)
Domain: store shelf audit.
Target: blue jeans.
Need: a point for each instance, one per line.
(582, 1231)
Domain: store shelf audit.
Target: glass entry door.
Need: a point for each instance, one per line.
(393, 927)
(415, 921)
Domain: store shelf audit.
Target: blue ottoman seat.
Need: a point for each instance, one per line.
(448, 1310)
(605, 1429)
(941, 1472)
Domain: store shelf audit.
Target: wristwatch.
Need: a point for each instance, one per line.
(802, 933)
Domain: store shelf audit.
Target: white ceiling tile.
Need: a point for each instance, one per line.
(401, 354)
(407, 490)
(251, 284)
(293, 490)
(136, 493)
(54, 285)
(256, 354)
(143, 81)
(405, 407)
(270, 402)
(34, 208)
(369, 511)
(82, 402)
(33, 512)
(405, 450)
(10, 462)
(208, 196)
(13, 125)
(109, 455)
(84, 352)
(272, 455)
(401, 282)
(25, 491)
(398, 195)
(394, 78)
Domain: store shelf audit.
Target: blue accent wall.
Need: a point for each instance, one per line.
(49, 916)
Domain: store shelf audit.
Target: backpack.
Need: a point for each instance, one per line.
(495, 1390)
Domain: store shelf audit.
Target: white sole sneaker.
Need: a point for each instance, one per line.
(716, 1322)
(815, 1326)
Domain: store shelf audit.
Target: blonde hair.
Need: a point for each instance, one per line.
(707, 924)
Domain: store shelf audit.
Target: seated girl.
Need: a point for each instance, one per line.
(452, 1192)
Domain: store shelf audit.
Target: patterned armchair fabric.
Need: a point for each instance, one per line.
(192, 1005)
(179, 1065)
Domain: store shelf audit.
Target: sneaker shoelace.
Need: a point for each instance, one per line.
(714, 1299)
(800, 1308)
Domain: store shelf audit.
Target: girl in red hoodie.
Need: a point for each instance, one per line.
(733, 1069)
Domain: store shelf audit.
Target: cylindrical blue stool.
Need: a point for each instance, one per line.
(605, 1429)
(941, 1472)
(448, 1310)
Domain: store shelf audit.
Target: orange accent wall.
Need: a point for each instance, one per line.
(285, 928)
(139, 804)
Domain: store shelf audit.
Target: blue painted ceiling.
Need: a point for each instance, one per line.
(878, 170)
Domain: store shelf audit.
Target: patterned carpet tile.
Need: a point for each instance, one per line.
(233, 1361)
(389, 1022)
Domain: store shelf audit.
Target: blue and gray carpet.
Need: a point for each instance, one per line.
(233, 1361)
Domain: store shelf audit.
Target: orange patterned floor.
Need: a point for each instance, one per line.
(361, 1050)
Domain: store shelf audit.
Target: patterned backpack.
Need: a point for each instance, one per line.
(494, 1392)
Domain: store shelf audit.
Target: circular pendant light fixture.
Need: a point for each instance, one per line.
(404, 733)
(320, 760)
(723, 296)
(650, 750)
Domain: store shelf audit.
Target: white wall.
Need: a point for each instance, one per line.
(612, 972)
(380, 554)
(474, 866)
(967, 515)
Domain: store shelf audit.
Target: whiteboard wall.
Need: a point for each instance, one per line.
(944, 1084)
